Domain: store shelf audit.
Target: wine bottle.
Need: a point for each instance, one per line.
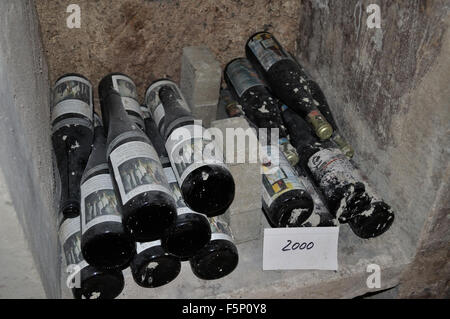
(220, 256)
(86, 281)
(321, 102)
(340, 182)
(285, 200)
(130, 100)
(286, 79)
(105, 243)
(190, 231)
(152, 266)
(258, 104)
(206, 184)
(145, 200)
(72, 135)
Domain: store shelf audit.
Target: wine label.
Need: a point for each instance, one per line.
(145, 112)
(278, 178)
(127, 89)
(140, 247)
(189, 149)
(267, 50)
(173, 184)
(220, 229)
(72, 107)
(137, 170)
(154, 103)
(70, 238)
(329, 165)
(242, 76)
(98, 202)
(72, 95)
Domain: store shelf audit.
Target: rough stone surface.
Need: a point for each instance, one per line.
(144, 39)
(389, 91)
(16, 263)
(25, 146)
(201, 77)
(246, 225)
(250, 281)
(247, 175)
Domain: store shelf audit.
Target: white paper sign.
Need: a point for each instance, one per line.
(301, 248)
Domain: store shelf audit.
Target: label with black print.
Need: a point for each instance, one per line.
(98, 202)
(70, 238)
(189, 149)
(220, 229)
(140, 247)
(72, 95)
(137, 170)
(329, 163)
(242, 76)
(127, 89)
(278, 175)
(175, 188)
(267, 50)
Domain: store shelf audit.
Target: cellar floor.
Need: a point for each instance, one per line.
(392, 252)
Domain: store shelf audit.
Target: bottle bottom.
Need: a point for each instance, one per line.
(209, 190)
(71, 209)
(154, 268)
(107, 246)
(374, 222)
(187, 235)
(217, 260)
(97, 284)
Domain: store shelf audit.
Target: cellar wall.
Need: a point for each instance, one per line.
(388, 88)
(25, 158)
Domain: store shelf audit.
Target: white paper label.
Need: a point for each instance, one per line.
(137, 170)
(158, 114)
(140, 247)
(98, 202)
(301, 248)
(70, 107)
(132, 105)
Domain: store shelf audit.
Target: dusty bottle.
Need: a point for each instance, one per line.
(72, 135)
(152, 266)
(130, 100)
(86, 281)
(145, 200)
(206, 184)
(346, 194)
(285, 200)
(259, 106)
(286, 79)
(219, 257)
(321, 102)
(190, 231)
(105, 243)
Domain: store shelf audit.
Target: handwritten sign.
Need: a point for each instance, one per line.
(300, 248)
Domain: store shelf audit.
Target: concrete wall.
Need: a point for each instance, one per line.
(25, 156)
(389, 90)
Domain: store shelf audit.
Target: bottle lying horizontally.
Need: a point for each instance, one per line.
(145, 199)
(190, 231)
(286, 79)
(285, 200)
(321, 102)
(105, 243)
(257, 103)
(206, 184)
(127, 89)
(86, 281)
(72, 135)
(219, 257)
(340, 182)
(152, 266)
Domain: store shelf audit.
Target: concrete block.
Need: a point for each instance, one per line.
(201, 75)
(246, 226)
(247, 175)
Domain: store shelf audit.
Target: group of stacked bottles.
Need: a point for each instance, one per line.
(129, 194)
(322, 187)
